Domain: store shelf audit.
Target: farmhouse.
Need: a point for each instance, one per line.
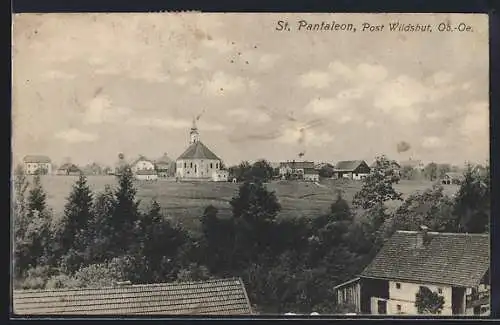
(452, 178)
(164, 166)
(68, 169)
(295, 169)
(37, 164)
(311, 174)
(453, 265)
(352, 169)
(220, 176)
(197, 162)
(146, 175)
(141, 164)
(213, 297)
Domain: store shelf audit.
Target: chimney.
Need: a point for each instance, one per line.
(422, 237)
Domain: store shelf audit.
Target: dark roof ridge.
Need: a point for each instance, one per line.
(128, 285)
(443, 233)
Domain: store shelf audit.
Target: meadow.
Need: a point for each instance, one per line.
(185, 202)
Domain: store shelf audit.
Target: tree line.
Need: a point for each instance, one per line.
(287, 264)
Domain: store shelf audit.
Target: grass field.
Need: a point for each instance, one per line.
(185, 202)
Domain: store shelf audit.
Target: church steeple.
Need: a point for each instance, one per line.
(194, 135)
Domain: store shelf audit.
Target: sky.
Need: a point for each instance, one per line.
(89, 86)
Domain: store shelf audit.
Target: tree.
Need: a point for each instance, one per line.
(76, 219)
(378, 185)
(261, 171)
(431, 171)
(432, 208)
(254, 211)
(125, 213)
(428, 302)
(472, 202)
(442, 169)
(37, 198)
(21, 220)
(326, 171)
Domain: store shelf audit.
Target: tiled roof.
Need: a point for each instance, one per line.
(214, 297)
(140, 158)
(146, 172)
(198, 150)
(298, 164)
(348, 165)
(447, 258)
(36, 159)
(165, 159)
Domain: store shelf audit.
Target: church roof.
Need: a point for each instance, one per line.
(198, 150)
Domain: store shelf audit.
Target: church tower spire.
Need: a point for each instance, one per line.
(194, 135)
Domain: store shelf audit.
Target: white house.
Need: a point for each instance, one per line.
(311, 174)
(295, 169)
(37, 164)
(352, 169)
(146, 175)
(197, 162)
(142, 163)
(220, 176)
(453, 265)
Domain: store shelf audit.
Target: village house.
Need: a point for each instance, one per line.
(220, 176)
(311, 174)
(352, 169)
(212, 297)
(453, 265)
(37, 164)
(144, 169)
(452, 178)
(198, 162)
(164, 166)
(68, 169)
(295, 169)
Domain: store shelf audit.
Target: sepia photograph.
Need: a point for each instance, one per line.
(245, 164)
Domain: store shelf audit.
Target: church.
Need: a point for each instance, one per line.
(198, 162)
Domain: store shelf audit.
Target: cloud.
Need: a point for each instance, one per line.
(369, 124)
(163, 123)
(432, 142)
(221, 45)
(351, 93)
(345, 119)
(324, 106)
(221, 84)
(311, 138)
(315, 79)
(475, 124)
(362, 73)
(75, 136)
(243, 115)
(442, 77)
(57, 75)
(100, 109)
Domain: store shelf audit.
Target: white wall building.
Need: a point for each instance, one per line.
(197, 162)
(37, 163)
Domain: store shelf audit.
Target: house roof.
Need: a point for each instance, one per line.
(36, 159)
(297, 164)
(198, 150)
(214, 297)
(146, 172)
(457, 259)
(69, 166)
(311, 171)
(165, 159)
(140, 158)
(455, 175)
(393, 163)
(348, 165)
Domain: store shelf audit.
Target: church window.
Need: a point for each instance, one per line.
(191, 165)
(211, 165)
(216, 165)
(185, 165)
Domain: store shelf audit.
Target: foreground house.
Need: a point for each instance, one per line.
(213, 297)
(453, 265)
(37, 164)
(352, 169)
(197, 162)
(311, 174)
